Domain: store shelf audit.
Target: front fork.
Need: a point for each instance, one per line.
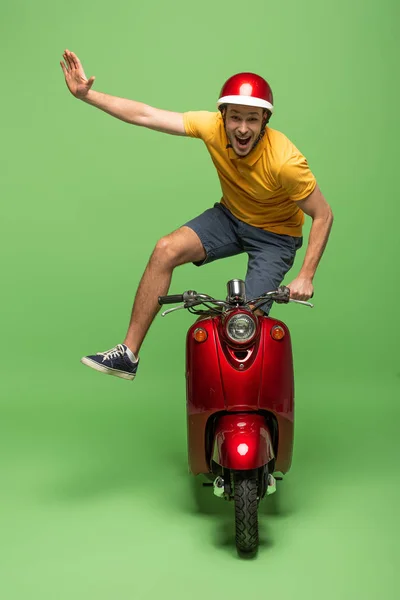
(266, 484)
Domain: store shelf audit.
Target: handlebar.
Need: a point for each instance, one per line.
(191, 299)
(173, 299)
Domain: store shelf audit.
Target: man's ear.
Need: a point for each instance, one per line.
(267, 116)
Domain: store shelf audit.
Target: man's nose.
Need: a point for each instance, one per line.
(243, 127)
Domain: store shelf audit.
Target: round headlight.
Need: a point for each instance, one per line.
(241, 328)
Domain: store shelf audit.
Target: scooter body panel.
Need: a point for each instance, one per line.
(222, 379)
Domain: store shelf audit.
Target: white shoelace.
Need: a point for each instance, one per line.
(113, 353)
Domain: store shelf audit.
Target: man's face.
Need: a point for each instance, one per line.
(243, 126)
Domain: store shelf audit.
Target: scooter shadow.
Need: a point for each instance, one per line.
(222, 513)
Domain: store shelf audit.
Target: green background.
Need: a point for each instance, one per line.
(96, 501)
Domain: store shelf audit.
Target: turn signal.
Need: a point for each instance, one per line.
(277, 332)
(200, 335)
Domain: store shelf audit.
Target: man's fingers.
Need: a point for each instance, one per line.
(64, 68)
(65, 57)
(68, 59)
(75, 60)
(64, 64)
(91, 82)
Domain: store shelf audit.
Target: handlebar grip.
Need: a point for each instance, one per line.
(173, 299)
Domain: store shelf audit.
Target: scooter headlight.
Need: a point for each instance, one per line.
(241, 328)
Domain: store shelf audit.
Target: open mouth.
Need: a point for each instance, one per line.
(243, 142)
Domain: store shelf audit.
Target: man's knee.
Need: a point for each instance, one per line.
(178, 248)
(169, 251)
(164, 251)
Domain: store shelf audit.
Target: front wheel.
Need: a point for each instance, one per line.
(246, 511)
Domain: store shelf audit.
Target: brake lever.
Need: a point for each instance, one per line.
(302, 302)
(170, 310)
(189, 302)
(280, 296)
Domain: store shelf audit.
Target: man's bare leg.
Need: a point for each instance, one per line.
(180, 247)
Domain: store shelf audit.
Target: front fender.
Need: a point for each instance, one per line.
(242, 442)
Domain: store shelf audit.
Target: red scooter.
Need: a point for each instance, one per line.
(240, 399)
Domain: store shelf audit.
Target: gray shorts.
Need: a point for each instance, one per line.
(271, 255)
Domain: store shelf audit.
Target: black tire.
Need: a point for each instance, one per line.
(246, 512)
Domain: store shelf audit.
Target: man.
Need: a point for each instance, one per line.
(267, 187)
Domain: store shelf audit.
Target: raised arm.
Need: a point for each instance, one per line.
(129, 111)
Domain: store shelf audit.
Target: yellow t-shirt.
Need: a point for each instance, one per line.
(261, 188)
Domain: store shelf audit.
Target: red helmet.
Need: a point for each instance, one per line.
(247, 88)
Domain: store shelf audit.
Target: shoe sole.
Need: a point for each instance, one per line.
(107, 370)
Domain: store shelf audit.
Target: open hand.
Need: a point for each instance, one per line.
(301, 288)
(75, 78)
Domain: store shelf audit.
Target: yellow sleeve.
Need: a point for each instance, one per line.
(296, 177)
(200, 124)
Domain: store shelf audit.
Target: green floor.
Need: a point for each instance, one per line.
(96, 501)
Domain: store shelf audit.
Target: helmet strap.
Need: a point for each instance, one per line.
(266, 118)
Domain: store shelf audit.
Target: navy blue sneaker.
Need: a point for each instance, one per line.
(116, 361)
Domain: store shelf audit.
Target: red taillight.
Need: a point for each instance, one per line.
(242, 449)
